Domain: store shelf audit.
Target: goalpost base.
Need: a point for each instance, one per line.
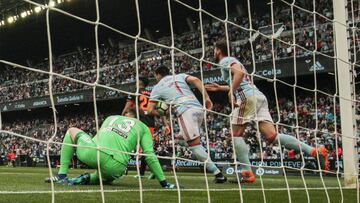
(350, 181)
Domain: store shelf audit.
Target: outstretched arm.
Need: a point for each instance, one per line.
(214, 87)
(238, 75)
(146, 144)
(151, 108)
(198, 84)
(166, 124)
(128, 105)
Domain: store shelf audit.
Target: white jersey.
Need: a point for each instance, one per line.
(245, 86)
(252, 104)
(175, 90)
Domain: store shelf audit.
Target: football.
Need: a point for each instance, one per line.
(162, 107)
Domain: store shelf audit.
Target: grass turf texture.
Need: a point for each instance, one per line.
(30, 181)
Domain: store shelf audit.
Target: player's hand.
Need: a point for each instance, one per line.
(208, 104)
(166, 130)
(212, 87)
(232, 99)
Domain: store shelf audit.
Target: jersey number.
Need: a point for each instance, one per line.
(124, 127)
(143, 102)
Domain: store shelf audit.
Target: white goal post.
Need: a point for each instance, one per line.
(346, 93)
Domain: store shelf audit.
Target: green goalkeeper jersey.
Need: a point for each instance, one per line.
(121, 134)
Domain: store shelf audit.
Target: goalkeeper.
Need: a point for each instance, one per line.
(117, 133)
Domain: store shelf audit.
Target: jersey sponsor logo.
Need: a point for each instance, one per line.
(122, 134)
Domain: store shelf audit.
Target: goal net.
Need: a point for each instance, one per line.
(302, 54)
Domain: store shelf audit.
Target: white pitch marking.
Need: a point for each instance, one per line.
(164, 190)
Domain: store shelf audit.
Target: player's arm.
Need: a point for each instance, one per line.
(154, 98)
(130, 103)
(238, 75)
(152, 108)
(214, 87)
(146, 144)
(166, 124)
(199, 85)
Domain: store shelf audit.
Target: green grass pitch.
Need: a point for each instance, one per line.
(26, 185)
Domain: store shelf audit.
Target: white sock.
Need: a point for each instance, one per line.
(242, 153)
(201, 155)
(290, 142)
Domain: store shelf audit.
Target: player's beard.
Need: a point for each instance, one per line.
(216, 56)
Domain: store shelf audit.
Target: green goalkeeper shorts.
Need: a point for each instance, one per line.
(110, 168)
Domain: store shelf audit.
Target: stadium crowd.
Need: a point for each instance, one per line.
(218, 131)
(117, 64)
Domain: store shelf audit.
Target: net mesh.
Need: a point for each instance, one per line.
(253, 36)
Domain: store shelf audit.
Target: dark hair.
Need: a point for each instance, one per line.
(222, 45)
(132, 111)
(162, 70)
(144, 80)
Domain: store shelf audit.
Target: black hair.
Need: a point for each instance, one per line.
(162, 70)
(144, 80)
(222, 46)
(132, 111)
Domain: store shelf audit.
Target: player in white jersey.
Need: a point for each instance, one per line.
(175, 90)
(251, 105)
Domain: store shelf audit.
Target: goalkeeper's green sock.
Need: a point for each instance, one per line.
(242, 153)
(94, 178)
(66, 154)
(290, 142)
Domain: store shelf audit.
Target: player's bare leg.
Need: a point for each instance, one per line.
(67, 153)
(242, 154)
(290, 142)
(201, 155)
